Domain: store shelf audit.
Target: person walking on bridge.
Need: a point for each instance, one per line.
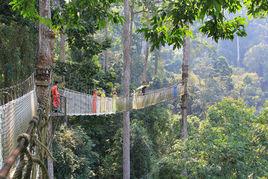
(55, 97)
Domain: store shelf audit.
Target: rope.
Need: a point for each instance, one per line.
(29, 165)
(35, 138)
(31, 160)
(43, 167)
(17, 90)
(26, 137)
(19, 170)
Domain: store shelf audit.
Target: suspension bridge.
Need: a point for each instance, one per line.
(18, 106)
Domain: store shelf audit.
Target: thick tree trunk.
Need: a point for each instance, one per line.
(146, 55)
(126, 82)
(184, 100)
(43, 73)
(50, 166)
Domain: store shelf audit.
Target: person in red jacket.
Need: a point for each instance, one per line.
(55, 97)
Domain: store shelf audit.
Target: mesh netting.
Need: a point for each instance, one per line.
(78, 104)
(16, 91)
(154, 97)
(1, 147)
(15, 119)
(18, 106)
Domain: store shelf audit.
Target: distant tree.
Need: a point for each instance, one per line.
(256, 61)
(247, 86)
(229, 143)
(74, 154)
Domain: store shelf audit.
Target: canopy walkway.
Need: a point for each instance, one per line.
(18, 106)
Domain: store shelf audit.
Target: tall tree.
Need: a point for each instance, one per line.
(170, 26)
(43, 74)
(185, 74)
(126, 82)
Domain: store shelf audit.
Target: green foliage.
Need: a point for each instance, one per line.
(85, 76)
(73, 152)
(255, 61)
(227, 144)
(171, 23)
(230, 141)
(257, 8)
(248, 87)
(224, 30)
(141, 150)
(27, 8)
(17, 53)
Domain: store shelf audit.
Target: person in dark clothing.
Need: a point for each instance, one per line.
(143, 88)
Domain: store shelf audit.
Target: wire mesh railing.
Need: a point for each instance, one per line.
(18, 105)
(16, 115)
(80, 104)
(18, 90)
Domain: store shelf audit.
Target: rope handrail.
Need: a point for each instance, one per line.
(18, 84)
(160, 89)
(15, 91)
(13, 156)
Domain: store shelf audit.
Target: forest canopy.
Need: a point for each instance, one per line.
(216, 51)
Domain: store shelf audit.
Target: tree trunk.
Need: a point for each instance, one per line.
(50, 166)
(43, 72)
(237, 51)
(126, 82)
(146, 55)
(186, 57)
(156, 60)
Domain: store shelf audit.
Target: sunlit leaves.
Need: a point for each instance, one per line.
(171, 24)
(224, 30)
(27, 8)
(258, 8)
